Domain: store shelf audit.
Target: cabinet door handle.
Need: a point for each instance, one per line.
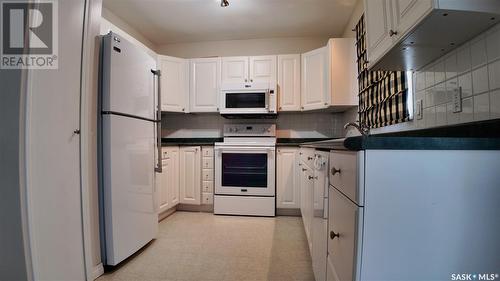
(333, 235)
(392, 33)
(312, 178)
(335, 171)
(304, 169)
(310, 158)
(251, 80)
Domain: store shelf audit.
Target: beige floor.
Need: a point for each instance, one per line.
(201, 246)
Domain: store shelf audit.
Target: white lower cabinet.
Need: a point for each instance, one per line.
(288, 178)
(168, 190)
(190, 176)
(306, 199)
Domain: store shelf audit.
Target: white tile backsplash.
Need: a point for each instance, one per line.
(288, 125)
(439, 72)
(493, 44)
(452, 117)
(475, 67)
(430, 116)
(465, 81)
(441, 115)
(495, 104)
(463, 58)
(480, 80)
(450, 65)
(482, 107)
(478, 51)
(467, 114)
(494, 74)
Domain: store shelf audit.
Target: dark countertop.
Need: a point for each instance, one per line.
(474, 136)
(189, 141)
(297, 141)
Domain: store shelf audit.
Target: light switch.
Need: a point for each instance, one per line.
(457, 100)
(419, 110)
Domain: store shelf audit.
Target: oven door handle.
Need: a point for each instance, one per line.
(245, 148)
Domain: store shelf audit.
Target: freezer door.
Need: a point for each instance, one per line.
(128, 85)
(130, 215)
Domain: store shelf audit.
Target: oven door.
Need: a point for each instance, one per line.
(245, 102)
(244, 170)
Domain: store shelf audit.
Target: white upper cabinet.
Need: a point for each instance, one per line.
(387, 21)
(378, 24)
(205, 77)
(314, 78)
(263, 69)
(235, 70)
(287, 178)
(174, 84)
(342, 90)
(409, 34)
(407, 13)
(289, 82)
(249, 69)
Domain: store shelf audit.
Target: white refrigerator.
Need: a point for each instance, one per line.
(130, 138)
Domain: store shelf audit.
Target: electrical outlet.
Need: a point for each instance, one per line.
(419, 110)
(457, 100)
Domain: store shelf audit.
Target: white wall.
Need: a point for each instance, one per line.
(358, 11)
(252, 47)
(111, 22)
(289, 125)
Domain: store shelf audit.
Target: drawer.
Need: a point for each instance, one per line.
(207, 151)
(207, 163)
(207, 186)
(345, 219)
(207, 174)
(307, 156)
(347, 174)
(207, 198)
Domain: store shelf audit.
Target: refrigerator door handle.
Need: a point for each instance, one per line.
(158, 167)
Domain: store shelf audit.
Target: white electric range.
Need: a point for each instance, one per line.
(245, 163)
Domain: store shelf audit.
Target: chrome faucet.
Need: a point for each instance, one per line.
(362, 129)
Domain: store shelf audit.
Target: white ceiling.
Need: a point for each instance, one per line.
(181, 21)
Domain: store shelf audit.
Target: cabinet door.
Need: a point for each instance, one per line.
(307, 186)
(190, 179)
(287, 178)
(344, 220)
(163, 200)
(205, 76)
(263, 69)
(314, 79)
(174, 84)
(173, 176)
(407, 13)
(235, 70)
(289, 82)
(378, 17)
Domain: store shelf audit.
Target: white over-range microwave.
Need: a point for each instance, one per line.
(248, 99)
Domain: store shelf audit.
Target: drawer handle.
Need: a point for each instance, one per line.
(304, 169)
(392, 33)
(335, 171)
(333, 235)
(312, 178)
(310, 158)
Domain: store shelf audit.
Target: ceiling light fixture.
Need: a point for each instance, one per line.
(224, 3)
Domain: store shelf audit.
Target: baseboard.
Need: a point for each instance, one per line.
(196, 208)
(98, 271)
(288, 212)
(166, 213)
